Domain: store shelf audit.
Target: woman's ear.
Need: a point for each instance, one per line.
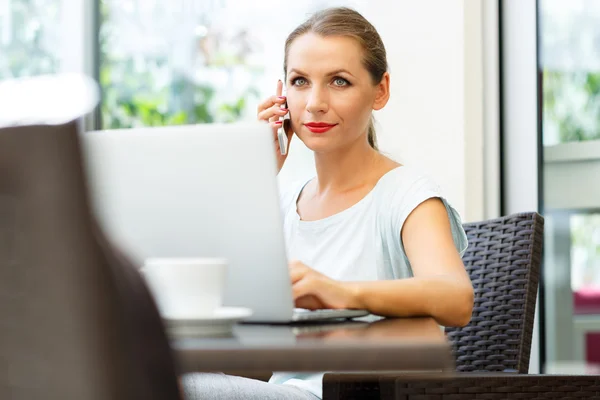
(382, 94)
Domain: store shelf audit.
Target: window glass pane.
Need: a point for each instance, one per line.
(570, 60)
(585, 250)
(169, 62)
(29, 37)
(570, 56)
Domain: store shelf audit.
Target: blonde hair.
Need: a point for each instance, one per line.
(343, 21)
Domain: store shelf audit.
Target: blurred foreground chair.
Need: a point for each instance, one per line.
(76, 320)
(492, 351)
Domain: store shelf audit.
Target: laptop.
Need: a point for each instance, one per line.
(206, 190)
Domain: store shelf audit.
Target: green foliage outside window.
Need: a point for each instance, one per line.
(572, 104)
(26, 46)
(133, 97)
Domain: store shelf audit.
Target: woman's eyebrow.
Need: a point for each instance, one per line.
(298, 72)
(338, 71)
(332, 73)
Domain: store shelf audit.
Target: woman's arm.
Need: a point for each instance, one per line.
(440, 288)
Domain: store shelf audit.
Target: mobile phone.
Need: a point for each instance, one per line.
(281, 136)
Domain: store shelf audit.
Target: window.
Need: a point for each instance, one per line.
(570, 42)
(29, 37)
(585, 250)
(169, 62)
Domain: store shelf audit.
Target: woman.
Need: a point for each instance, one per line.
(367, 232)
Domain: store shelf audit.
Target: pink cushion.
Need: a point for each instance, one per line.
(587, 300)
(592, 347)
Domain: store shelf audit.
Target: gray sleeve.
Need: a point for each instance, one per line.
(420, 190)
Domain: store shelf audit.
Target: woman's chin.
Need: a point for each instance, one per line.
(316, 143)
(320, 148)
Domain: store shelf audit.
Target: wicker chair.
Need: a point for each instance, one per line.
(503, 261)
(492, 352)
(76, 319)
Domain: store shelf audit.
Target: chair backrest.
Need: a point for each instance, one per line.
(76, 320)
(503, 260)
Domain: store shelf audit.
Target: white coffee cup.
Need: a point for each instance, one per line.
(186, 288)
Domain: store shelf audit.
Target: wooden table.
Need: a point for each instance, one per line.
(371, 344)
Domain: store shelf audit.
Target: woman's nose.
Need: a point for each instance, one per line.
(318, 101)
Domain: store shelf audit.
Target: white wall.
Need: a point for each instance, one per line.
(425, 121)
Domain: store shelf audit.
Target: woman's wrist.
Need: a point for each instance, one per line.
(356, 298)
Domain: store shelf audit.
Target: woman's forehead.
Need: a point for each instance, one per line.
(312, 53)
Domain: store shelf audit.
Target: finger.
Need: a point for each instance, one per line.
(275, 124)
(309, 302)
(272, 112)
(296, 274)
(270, 102)
(295, 264)
(279, 113)
(304, 287)
(279, 90)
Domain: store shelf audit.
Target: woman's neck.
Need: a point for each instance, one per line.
(345, 169)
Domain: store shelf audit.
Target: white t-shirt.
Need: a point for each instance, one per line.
(361, 243)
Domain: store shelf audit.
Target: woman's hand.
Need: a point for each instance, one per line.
(313, 290)
(270, 111)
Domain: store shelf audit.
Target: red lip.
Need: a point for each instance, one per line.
(319, 127)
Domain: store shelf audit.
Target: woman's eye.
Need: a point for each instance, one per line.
(340, 82)
(299, 82)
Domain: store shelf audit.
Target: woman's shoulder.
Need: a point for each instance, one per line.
(402, 191)
(404, 181)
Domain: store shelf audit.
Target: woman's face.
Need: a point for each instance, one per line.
(330, 94)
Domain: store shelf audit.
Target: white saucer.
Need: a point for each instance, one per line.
(220, 323)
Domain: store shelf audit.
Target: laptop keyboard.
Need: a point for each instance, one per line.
(303, 314)
(322, 311)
